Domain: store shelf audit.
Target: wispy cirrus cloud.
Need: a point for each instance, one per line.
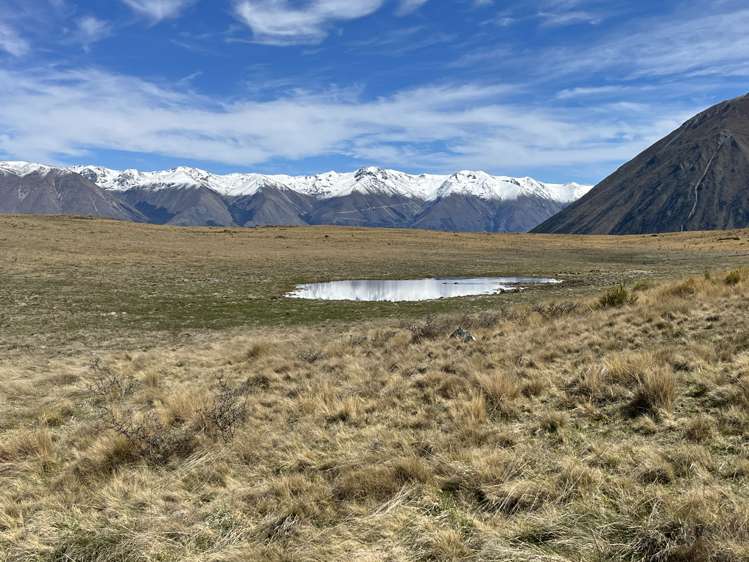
(282, 22)
(11, 41)
(47, 22)
(694, 45)
(573, 17)
(653, 49)
(716, 43)
(551, 13)
(556, 13)
(408, 6)
(90, 29)
(157, 10)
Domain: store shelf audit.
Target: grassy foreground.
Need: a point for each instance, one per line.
(593, 424)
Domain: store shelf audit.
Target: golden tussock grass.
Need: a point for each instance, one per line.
(567, 431)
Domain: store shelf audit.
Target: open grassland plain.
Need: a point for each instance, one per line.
(605, 419)
(65, 278)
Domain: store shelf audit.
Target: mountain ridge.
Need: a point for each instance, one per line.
(466, 200)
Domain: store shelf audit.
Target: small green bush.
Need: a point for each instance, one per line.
(617, 297)
(733, 278)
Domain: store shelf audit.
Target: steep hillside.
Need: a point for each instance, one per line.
(697, 178)
(271, 205)
(180, 206)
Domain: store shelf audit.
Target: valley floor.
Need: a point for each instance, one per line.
(584, 423)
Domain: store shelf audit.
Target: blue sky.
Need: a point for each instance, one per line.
(562, 90)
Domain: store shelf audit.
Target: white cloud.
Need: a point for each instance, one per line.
(67, 114)
(715, 42)
(283, 22)
(157, 10)
(597, 91)
(552, 13)
(90, 29)
(12, 43)
(408, 6)
(692, 44)
(570, 17)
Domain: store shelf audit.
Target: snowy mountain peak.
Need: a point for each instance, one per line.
(23, 168)
(370, 171)
(482, 185)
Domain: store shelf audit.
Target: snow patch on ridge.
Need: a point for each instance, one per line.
(567, 193)
(23, 168)
(484, 186)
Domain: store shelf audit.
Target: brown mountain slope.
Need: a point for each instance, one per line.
(180, 206)
(463, 213)
(697, 178)
(271, 206)
(59, 192)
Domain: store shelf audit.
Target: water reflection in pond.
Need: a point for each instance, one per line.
(414, 289)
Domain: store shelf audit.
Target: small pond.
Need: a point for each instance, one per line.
(413, 290)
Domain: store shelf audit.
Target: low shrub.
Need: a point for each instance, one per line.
(150, 435)
(733, 278)
(426, 330)
(617, 297)
(556, 309)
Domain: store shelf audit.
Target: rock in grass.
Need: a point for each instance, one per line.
(462, 334)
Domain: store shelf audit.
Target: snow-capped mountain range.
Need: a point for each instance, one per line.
(427, 187)
(466, 200)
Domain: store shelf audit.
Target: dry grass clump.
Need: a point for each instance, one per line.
(700, 428)
(656, 391)
(646, 379)
(380, 483)
(732, 345)
(553, 422)
(564, 432)
(682, 290)
(661, 529)
(500, 390)
(27, 443)
(656, 470)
